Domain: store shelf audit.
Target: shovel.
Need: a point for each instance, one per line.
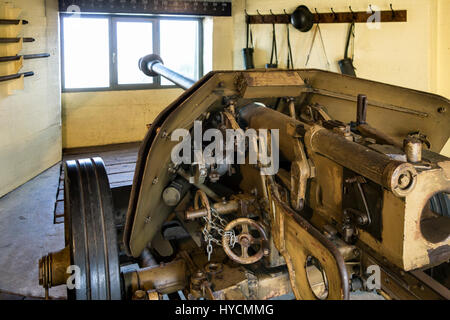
(273, 64)
(346, 64)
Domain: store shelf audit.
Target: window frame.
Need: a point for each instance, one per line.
(113, 66)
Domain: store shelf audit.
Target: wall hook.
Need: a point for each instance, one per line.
(393, 12)
(353, 13)
(370, 7)
(273, 15)
(247, 17)
(288, 16)
(263, 19)
(334, 14)
(318, 15)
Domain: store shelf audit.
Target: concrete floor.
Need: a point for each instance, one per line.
(27, 233)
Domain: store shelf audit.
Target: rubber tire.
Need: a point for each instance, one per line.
(90, 230)
(440, 204)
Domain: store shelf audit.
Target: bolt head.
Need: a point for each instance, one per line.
(404, 180)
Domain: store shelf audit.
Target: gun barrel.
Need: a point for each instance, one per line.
(152, 65)
(396, 176)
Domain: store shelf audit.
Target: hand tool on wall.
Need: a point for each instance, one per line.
(16, 76)
(303, 19)
(317, 30)
(346, 64)
(25, 57)
(247, 52)
(290, 59)
(274, 53)
(15, 40)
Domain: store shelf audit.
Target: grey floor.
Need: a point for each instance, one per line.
(27, 233)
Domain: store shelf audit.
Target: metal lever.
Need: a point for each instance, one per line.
(361, 112)
(15, 40)
(16, 76)
(12, 22)
(25, 57)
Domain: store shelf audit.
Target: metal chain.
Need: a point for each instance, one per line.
(216, 215)
(219, 229)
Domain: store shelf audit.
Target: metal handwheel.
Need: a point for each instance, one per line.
(245, 240)
(90, 231)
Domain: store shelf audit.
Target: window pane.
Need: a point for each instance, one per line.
(179, 47)
(86, 52)
(134, 40)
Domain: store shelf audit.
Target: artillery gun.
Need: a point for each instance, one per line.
(351, 194)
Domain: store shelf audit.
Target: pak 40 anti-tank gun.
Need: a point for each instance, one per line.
(259, 184)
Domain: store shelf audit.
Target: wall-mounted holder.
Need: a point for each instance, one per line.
(8, 12)
(25, 57)
(11, 67)
(11, 49)
(16, 76)
(12, 22)
(13, 82)
(16, 40)
(333, 17)
(12, 64)
(10, 45)
(10, 28)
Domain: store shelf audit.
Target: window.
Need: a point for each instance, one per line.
(86, 52)
(101, 52)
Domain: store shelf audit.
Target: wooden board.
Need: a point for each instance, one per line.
(183, 7)
(270, 84)
(120, 163)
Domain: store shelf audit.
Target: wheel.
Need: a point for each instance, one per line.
(247, 239)
(440, 204)
(90, 231)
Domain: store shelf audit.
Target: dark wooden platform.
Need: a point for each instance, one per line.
(120, 162)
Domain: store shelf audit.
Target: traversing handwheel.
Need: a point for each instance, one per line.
(251, 238)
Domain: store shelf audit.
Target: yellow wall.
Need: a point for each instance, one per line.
(101, 118)
(415, 54)
(30, 119)
(398, 53)
(443, 49)
(443, 65)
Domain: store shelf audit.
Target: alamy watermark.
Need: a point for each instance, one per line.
(229, 148)
(374, 20)
(373, 281)
(74, 280)
(74, 9)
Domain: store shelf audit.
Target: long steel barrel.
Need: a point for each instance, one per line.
(152, 65)
(375, 166)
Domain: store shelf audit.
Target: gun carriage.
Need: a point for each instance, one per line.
(359, 185)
